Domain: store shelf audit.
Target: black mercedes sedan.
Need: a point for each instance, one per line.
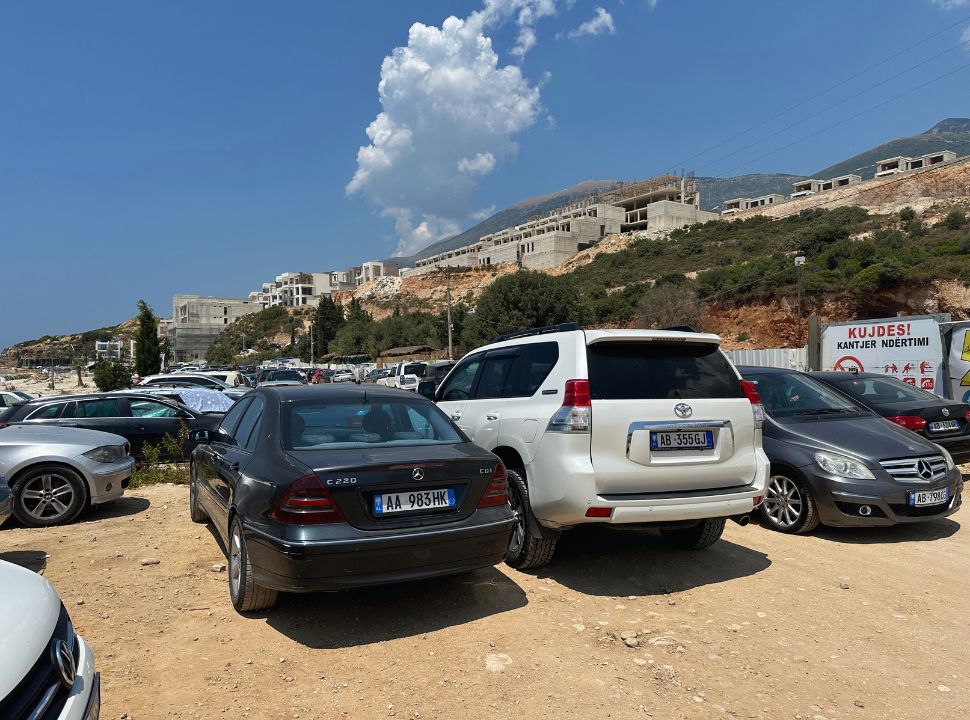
(834, 462)
(324, 487)
(944, 422)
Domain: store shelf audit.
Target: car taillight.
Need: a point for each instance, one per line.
(3, 424)
(910, 422)
(307, 502)
(966, 416)
(750, 391)
(497, 492)
(574, 415)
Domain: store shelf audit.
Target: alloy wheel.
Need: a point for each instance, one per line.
(518, 511)
(47, 497)
(784, 503)
(235, 561)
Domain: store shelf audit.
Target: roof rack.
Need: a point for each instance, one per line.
(561, 327)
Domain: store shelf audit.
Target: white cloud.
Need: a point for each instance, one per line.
(965, 39)
(652, 3)
(600, 24)
(480, 215)
(481, 164)
(449, 114)
(950, 4)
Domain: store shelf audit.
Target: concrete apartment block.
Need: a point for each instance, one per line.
(660, 204)
(892, 166)
(900, 163)
(736, 205)
(841, 181)
(374, 269)
(197, 320)
(805, 187)
(669, 215)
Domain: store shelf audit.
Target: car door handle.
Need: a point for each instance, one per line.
(491, 416)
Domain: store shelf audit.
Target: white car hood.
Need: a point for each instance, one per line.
(29, 607)
(57, 435)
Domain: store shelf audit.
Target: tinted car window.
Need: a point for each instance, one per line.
(888, 390)
(245, 432)
(48, 412)
(232, 418)
(285, 375)
(316, 424)
(653, 371)
(531, 369)
(459, 385)
(149, 408)
(106, 408)
(784, 394)
(494, 375)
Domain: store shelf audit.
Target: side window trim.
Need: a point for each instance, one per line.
(243, 444)
(244, 406)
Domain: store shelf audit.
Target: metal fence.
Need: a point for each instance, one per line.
(790, 358)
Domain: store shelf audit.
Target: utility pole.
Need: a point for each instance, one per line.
(312, 333)
(451, 354)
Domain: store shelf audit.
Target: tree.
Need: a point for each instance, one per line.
(148, 357)
(328, 320)
(669, 305)
(522, 300)
(111, 375)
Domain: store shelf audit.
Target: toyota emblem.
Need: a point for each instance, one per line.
(64, 662)
(924, 469)
(946, 412)
(683, 410)
(417, 474)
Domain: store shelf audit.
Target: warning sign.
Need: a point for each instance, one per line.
(907, 348)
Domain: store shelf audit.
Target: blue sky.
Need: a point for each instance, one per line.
(150, 148)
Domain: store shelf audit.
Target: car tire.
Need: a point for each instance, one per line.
(526, 549)
(245, 594)
(49, 495)
(196, 513)
(788, 506)
(696, 537)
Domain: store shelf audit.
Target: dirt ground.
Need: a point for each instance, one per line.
(838, 624)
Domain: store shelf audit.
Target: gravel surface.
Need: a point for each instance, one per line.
(838, 624)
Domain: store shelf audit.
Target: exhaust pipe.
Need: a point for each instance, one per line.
(741, 520)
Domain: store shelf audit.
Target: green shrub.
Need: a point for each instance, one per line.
(875, 278)
(955, 219)
(111, 375)
(907, 214)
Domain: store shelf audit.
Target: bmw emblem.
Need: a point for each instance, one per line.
(683, 410)
(417, 474)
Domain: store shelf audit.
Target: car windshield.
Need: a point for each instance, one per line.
(786, 394)
(884, 391)
(278, 375)
(319, 425)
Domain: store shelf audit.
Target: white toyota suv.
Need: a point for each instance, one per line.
(612, 426)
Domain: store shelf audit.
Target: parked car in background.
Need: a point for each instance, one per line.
(9, 398)
(196, 379)
(48, 670)
(404, 375)
(6, 503)
(55, 473)
(232, 378)
(193, 397)
(433, 374)
(322, 375)
(834, 462)
(340, 486)
(612, 426)
(376, 374)
(344, 376)
(287, 375)
(138, 417)
(944, 422)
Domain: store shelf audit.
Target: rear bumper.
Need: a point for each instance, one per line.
(368, 559)
(562, 487)
(839, 500)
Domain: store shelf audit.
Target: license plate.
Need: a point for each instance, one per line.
(409, 501)
(919, 498)
(944, 425)
(682, 440)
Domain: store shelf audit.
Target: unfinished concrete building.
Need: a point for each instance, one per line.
(736, 205)
(373, 269)
(197, 320)
(901, 163)
(662, 203)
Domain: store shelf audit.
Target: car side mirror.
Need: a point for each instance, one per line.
(426, 388)
(200, 436)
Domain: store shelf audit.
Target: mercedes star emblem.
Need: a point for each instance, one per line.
(924, 470)
(683, 410)
(64, 662)
(417, 474)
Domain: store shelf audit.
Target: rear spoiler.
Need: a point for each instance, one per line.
(661, 336)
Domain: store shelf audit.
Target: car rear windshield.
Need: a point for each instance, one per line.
(659, 371)
(318, 425)
(414, 369)
(786, 394)
(284, 375)
(884, 391)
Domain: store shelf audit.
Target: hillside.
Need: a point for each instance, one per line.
(952, 133)
(714, 191)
